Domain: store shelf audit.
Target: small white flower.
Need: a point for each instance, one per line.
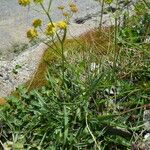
(94, 66)
(147, 137)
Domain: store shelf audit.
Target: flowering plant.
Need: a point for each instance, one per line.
(53, 31)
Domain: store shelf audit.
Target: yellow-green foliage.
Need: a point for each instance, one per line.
(97, 40)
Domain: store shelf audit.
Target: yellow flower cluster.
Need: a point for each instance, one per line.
(72, 5)
(66, 14)
(52, 28)
(24, 2)
(27, 2)
(32, 33)
(62, 25)
(37, 23)
(73, 8)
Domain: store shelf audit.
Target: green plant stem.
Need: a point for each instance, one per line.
(59, 39)
(49, 5)
(49, 17)
(101, 16)
(63, 62)
(2, 144)
(116, 53)
(62, 53)
(91, 132)
(56, 49)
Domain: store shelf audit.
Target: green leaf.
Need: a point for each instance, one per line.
(105, 117)
(108, 1)
(65, 124)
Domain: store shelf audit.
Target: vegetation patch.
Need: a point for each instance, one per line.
(88, 93)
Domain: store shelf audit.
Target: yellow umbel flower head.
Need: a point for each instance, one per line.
(66, 14)
(32, 33)
(24, 2)
(36, 23)
(51, 25)
(74, 9)
(37, 1)
(50, 29)
(62, 25)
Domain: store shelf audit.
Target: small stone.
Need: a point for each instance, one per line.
(146, 119)
(1, 75)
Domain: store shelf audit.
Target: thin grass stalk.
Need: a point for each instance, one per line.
(49, 5)
(94, 139)
(116, 53)
(63, 62)
(101, 16)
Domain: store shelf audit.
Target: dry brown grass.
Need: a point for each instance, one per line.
(2, 101)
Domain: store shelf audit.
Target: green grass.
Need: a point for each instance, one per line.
(82, 113)
(95, 102)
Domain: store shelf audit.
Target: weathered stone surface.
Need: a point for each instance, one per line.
(27, 62)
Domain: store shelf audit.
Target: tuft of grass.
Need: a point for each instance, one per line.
(99, 41)
(93, 98)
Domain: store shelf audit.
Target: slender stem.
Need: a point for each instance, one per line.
(115, 46)
(50, 45)
(49, 5)
(63, 57)
(101, 16)
(2, 144)
(94, 139)
(49, 17)
(59, 39)
(63, 61)
(54, 43)
(47, 13)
